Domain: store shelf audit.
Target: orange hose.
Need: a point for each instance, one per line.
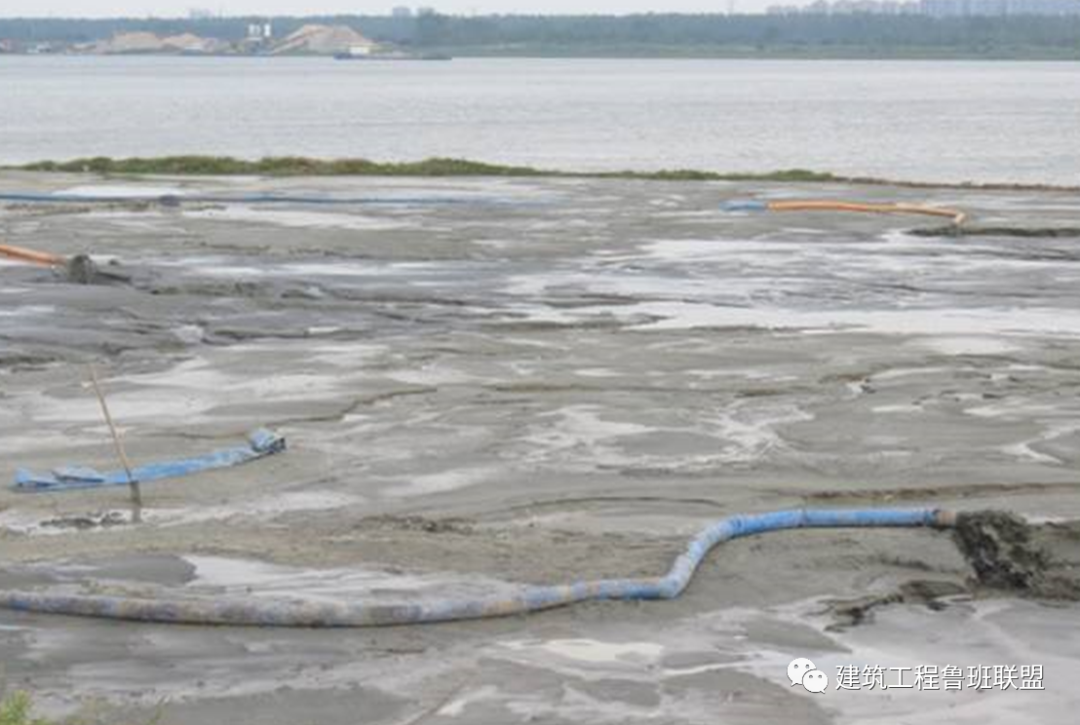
(29, 255)
(958, 217)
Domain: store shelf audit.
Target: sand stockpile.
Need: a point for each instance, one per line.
(323, 40)
(145, 42)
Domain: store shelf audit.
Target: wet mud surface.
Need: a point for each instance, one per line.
(1007, 554)
(493, 382)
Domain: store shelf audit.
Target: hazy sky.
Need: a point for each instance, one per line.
(162, 8)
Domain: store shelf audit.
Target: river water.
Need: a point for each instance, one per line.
(933, 120)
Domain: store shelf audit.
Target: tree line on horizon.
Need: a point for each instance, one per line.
(670, 34)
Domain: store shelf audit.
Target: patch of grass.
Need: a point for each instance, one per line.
(791, 175)
(281, 166)
(304, 166)
(15, 710)
(436, 167)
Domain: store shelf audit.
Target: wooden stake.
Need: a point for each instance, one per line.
(136, 494)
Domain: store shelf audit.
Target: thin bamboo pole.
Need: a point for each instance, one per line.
(133, 484)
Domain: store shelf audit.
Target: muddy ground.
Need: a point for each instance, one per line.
(488, 382)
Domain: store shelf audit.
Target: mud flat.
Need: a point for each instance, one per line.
(486, 382)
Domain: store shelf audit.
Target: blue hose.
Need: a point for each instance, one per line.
(260, 444)
(292, 613)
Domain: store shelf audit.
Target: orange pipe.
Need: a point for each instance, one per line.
(958, 217)
(29, 255)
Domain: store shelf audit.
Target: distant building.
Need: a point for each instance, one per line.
(402, 12)
(968, 8)
(260, 32)
(934, 8)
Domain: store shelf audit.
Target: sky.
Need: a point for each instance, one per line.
(173, 8)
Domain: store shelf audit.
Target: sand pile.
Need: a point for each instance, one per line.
(189, 43)
(323, 40)
(143, 42)
(132, 43)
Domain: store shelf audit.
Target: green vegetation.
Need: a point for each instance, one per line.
(281, 166)
(857, 35)
(767, 51)
(791, 175)
(303, 166)
(15, 710)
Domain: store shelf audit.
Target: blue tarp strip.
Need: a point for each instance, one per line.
(744, 205)
(260, 444)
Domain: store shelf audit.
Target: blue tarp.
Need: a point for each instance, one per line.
(744, 205)
(260, 444)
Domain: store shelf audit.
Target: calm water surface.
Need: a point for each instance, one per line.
(942, 121)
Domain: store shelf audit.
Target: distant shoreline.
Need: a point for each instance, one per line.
(297, 166)
(836, 36)
(854, 53)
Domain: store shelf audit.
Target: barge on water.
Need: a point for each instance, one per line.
(354, 55)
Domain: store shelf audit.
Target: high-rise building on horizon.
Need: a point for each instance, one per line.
(934, 8)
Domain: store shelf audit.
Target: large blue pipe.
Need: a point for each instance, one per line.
(253, 612)
(260, 443)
